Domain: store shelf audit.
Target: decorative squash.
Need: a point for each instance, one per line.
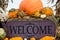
(43, 16)
(21, 13)
(32, 38)
(5, 38)
(37, 14)
(48, 38)
(16, 38)
(13, 13)
(2, 33)
(48, 11)
(31, 6)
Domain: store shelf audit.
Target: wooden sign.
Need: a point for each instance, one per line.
(27, 29)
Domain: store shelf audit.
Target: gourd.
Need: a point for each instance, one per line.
(48, 38)
(16, 38)
(48, 11)
(13, 13)
(32, 38)
(5, 38)
(2, 33)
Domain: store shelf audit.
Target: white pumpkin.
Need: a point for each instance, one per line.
(2, 33)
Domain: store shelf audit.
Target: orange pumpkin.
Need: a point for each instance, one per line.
(31, 6)
(48, 38)
(32, 38)
(5, 38)
(16, 38)
(48, 11)
(13, 13)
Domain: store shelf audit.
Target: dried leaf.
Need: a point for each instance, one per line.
(50, 1)
(12, 1)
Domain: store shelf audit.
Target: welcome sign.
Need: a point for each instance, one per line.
(27, 29)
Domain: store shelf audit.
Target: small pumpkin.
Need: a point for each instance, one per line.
(48, 38)
(48, 11)
(37, 14)
(43, 16)
(16, 38)
(5, 38)
(22, 14)
(13, 13)
(31, 6)
(32, 38)
(2, 33)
